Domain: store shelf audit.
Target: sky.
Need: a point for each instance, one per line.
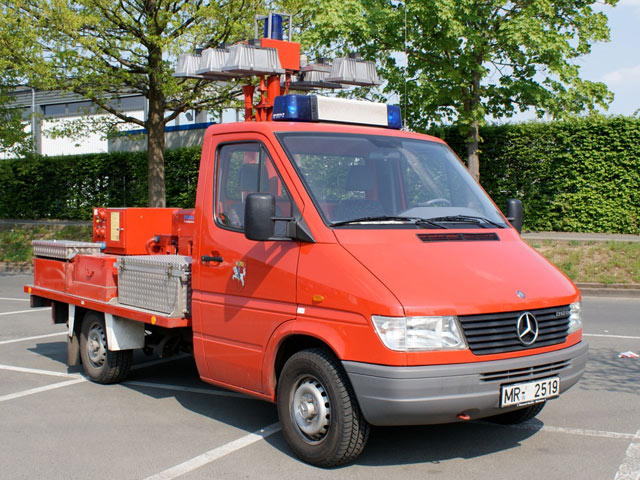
(617, 63)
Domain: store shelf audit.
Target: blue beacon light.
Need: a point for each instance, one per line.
(394, 116)
(276, 26)
(294, 108)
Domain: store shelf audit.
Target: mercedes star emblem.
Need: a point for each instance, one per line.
(527, 329)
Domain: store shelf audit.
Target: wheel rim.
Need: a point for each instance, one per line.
(97, 345)
(311, 410)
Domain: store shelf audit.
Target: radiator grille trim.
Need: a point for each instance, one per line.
(496, 332)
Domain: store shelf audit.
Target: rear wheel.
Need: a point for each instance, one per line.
(320, 417)
(518, 416)
(99, 363)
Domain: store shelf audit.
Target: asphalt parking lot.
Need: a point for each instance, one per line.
(164, 423)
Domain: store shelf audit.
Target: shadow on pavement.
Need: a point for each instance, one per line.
(386, 446)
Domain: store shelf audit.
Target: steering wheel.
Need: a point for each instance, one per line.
(435, 201)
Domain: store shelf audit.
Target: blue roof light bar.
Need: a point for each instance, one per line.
(315, 108)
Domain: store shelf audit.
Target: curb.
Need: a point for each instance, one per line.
(604, 290)
(10, 268)
(581, 237)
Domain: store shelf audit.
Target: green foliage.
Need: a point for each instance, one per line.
(594, 262)
(100, 49)
(13, 137)
(68, 186)
(580, 174)
(15, 242)
(463, 60)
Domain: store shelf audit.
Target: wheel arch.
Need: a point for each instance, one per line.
(293, 344)
(283, 346)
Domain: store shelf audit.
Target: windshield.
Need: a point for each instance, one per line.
(376, 179)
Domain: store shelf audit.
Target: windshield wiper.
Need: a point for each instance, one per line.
(377, 218)
(389, 218)
(480, 221)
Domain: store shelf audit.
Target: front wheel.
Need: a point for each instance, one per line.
(99, 363)
(518, 416)
(320, 417)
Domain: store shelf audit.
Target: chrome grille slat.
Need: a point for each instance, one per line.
(496, 333)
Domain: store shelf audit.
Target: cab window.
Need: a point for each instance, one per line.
(244, 168)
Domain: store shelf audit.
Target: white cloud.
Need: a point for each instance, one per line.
(622, 77)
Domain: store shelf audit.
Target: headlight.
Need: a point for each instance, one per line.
(575, 317)
(419, 333)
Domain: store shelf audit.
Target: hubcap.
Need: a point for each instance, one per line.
(97, 345)
(310, 409)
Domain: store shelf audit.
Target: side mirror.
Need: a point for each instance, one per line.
(259, 210)
(514, 213)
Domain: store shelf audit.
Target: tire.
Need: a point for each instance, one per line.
(100, 364)
(319, 413)
(518, 416)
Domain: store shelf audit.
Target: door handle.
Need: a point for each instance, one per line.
(209, 258)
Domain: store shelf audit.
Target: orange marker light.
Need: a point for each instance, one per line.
(153, 319)
(29, 290)
(318, 298)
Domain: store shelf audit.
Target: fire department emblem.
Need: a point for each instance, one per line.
(239, 272)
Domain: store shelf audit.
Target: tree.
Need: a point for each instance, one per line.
(467, 60)
(13, 137)
(101, 49)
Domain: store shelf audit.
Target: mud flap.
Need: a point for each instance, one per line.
(73, 350)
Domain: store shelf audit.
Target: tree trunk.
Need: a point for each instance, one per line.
(155, 147)
(473, 160)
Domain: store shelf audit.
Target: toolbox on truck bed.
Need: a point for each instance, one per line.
(63, 249)
(156, 282)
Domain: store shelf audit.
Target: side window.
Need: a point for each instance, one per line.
(245, 168)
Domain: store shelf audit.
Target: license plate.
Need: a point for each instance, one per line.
(530, 392)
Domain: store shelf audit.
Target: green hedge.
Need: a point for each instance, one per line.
(580, 175)
(66, 187)
(575, 175)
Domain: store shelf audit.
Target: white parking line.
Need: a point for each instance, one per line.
(15, 299)
(630, 467)
(41, 389)
(215, 454)
(37, 337)
(24, 311)
(536, 427)
(609, 336)
(76, 375)
(37, 371)
(75, 378)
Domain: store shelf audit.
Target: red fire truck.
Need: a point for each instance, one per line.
(353, 273)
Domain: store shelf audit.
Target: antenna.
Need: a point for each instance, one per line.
(404, 114)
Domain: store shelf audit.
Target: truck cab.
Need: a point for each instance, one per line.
(339, 258)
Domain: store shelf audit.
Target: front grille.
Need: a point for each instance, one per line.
(496, 332)
(527, 373)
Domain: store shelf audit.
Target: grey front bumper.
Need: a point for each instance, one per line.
(431, 394)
